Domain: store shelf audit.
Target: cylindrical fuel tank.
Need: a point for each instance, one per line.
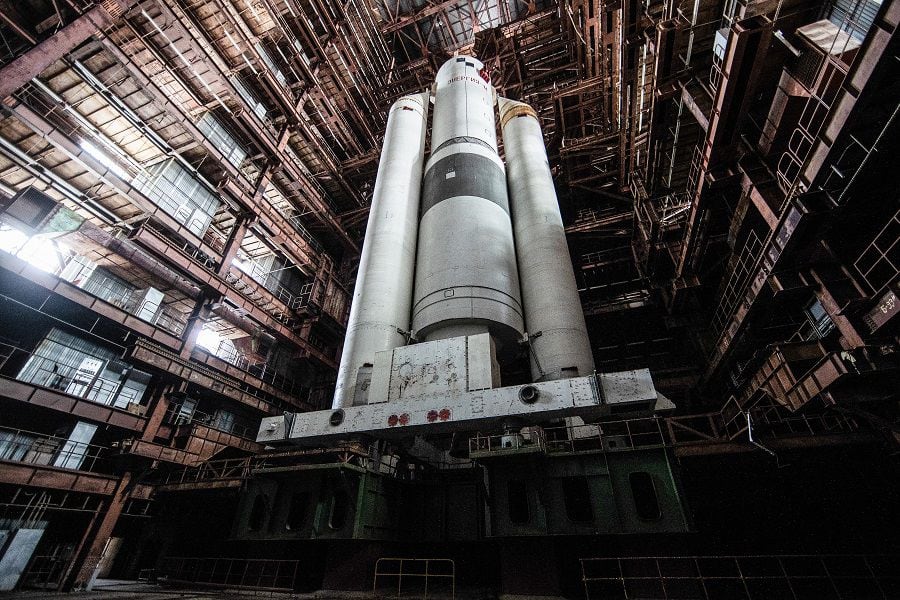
(382, 296)
(466, 276)
(553, 314)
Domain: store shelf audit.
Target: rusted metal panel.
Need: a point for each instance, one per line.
(65, 403)
(159, 452)
(31, 64)
(57, 479)
(52, 400)
(886, 308)
(15, 390)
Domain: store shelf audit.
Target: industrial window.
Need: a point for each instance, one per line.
(818, 318)
(854, 17)
(517, 501)
(107, 286)
(340, 505)
(273, 67)
(255, 105)
(577, 499)
(258, 513)
(14, 445)
(180, 194)
(81, 368)
(223, 421)
(296, 516)
(643, 490)
(222, 139)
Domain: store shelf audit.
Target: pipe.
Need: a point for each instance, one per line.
(554, 318)
(126, 248)
(379, 315)
(757, 444)
(62, 186)
(139, 257)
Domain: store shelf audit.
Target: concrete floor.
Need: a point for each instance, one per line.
(109, 589)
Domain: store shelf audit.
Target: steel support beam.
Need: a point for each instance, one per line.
(33, 62)
(430, 10)
(97, 535)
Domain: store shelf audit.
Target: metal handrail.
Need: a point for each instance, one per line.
(126, 301)
(259, 369)
(291, 300)
(213, 470)
(31, 447)
(507, 442)
(175, 416)
(62, 378)
(238, 573)
(608, 436)
(424, 576)
(771, 422)
(657, 576)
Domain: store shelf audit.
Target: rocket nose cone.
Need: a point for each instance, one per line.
(459, 62)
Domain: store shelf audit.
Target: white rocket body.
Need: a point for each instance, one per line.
(484, 251)
(466, 276)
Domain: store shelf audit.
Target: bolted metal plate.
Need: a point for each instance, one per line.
(472, 410)
(627, 387)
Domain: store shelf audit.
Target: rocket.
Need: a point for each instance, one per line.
(465, 243)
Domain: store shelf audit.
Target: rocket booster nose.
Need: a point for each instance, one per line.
(457, 63)
(464, 103)
(415, 102)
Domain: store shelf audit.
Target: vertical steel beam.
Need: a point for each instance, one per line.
(99, 534)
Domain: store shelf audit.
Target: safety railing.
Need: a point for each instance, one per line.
(507, 443)
(771, 422)
(260, 277)
(310, 179)
(297, 223)
(822, 72)
(608, 436)
(732, 286)
(213, 470)
(171, 322)
(878, 264)
(178, 414)
(760, 577)
(123, 296)
(768, 422)
(186, 248)
(672, 209)
(233, 573)
(30, 366)
(414, 578)
(259, 369)
(30, 447)
(603, 257)
(715, 71)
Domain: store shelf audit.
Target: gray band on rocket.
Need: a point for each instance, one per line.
(464, 174)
